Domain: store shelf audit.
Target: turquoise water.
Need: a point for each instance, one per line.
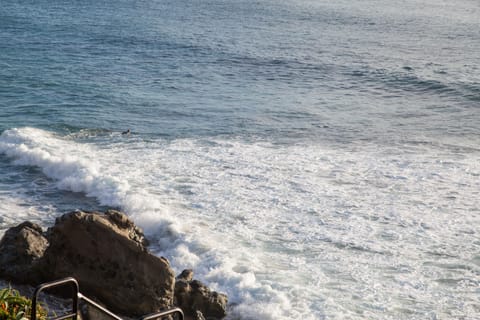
(314, 160)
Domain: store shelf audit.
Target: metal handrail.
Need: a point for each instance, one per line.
(163, 314)
(76, 296)
(52, 284)
(96, 305)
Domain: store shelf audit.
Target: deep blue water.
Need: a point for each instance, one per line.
(295, 69)
(334, 144)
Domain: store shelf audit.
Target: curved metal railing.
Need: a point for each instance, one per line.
(77, 296)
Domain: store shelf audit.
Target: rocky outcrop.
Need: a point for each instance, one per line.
(197, 300)
(107, 254)
(21, 251)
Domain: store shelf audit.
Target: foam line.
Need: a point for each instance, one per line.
(66, 162)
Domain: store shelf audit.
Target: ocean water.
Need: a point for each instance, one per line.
(311, 159)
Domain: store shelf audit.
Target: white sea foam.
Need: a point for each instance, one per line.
(292, 232)
(8, 205)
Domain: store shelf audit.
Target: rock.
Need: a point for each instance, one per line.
(106, 253)
(210, 303)
(89, 312)
(21, 250)
(183, 295)
(198, 316)
(186, 275)
(123, 222)
(195, 298)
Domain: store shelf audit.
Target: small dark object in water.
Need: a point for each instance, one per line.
(126, 132)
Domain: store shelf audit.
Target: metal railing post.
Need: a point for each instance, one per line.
(76, 296)
(56, 284)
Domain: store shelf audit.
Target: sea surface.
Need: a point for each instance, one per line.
(311, 159)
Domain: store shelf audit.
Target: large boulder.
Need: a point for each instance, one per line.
(106, 253)
(21, 250)
(197, 300)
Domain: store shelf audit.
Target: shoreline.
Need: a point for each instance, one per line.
(108, 255)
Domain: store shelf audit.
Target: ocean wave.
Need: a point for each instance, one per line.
(69, 165)
(103, 174)
(286, 230)
(409, 82)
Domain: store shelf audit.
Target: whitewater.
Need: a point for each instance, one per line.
(310, 159)
(288, 232)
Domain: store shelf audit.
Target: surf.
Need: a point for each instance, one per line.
(106, 173)
(284, 229)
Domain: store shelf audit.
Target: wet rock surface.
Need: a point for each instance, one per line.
(197, 300)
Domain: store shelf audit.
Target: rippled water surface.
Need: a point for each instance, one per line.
(312, 159)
